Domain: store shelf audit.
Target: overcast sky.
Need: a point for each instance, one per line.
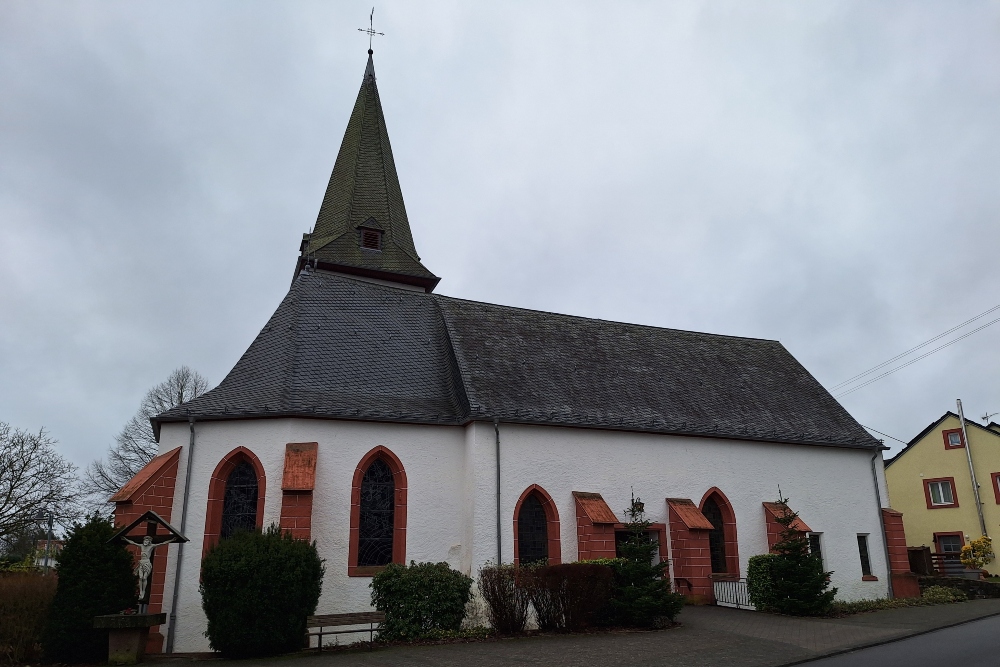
(826, 174)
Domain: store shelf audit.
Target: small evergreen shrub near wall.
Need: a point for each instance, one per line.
(760, 583)
(24, 605)
(422, 600)
(95, 578)
(799, 584)
(568, 596)
(257, 588)
(505, 597)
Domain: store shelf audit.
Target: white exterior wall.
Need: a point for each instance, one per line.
(451, 497)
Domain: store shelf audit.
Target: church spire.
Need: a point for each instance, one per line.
(362, 228)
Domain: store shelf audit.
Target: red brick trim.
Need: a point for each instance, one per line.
(728, 527)
(995, 478)
(961, 438)
(552, 523)
(145, 478)
(399, 515)
(217, 493)
(961, 536)
(927, 493)
(869, 577)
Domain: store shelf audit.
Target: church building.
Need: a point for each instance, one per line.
(392, 424)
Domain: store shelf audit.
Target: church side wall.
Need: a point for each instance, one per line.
(820, 483)
(432, 456)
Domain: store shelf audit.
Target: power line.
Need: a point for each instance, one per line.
(916, 359)
(912, 349)
(885, 434)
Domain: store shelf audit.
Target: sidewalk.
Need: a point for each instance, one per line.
(707, 636)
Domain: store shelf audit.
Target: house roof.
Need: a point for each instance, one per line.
(342, 348)
(364, 191)
(933, 425)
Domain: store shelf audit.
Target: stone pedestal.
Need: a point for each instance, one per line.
(127, 635)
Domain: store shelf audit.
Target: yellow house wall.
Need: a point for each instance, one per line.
(928, 459)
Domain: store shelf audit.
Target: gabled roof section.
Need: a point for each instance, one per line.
(145, 476)
(595, 507)
(341, 348)
(364, 186)
(689, 513)
(778, 511)
(991, 429)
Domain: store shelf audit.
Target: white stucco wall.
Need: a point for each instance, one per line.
(451, 473)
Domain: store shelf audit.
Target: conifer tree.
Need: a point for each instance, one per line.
(800, 586)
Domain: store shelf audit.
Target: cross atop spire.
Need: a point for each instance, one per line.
(370, 31)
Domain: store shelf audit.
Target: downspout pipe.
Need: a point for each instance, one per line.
(496, 429)
(972, 470)
(881, 520)
(180, 545)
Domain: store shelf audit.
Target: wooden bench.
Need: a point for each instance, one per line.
(342, 620)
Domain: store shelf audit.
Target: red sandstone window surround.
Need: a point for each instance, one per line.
(996, 485)
(940, 493)
(730, 544)
(953, 438)
(553, 548)
(386, 457)
(217, 492)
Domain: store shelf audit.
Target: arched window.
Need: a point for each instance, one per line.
(536, 528)
(376, 525)
(378, 514)
(239, 506)
(716, 536)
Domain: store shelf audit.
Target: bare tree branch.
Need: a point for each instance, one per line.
(135, 445)
(33, 478)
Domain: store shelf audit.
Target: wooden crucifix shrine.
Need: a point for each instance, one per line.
(147, 544)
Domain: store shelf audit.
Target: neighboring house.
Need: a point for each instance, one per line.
(55, 548)
(930, 483)
(391, 424)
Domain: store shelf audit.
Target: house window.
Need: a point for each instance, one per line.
(996, 485)
(239, 505)
(953, 438)
(866, 563)
(532, 531)
(949, 544)
(940, 493)
(716, 536)
(371, 239)
(377, 515)
(815, 548)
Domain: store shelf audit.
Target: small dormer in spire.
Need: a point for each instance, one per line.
(362, 228)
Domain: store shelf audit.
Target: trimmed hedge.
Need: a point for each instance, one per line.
(760, 584)
(568, 596)
(257, 588)
(420, 601)
(94, 578)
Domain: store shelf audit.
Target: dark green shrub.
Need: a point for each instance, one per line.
(24, 605)
(568, 596)
(257, 588)
(760, 581)
(505, 596)
(95, 578)
(800, 586)
(421, 600)
(641, 595)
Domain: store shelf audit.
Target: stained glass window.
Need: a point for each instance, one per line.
(716, 536)
(239, 506)
(377, 515)
(532, 531)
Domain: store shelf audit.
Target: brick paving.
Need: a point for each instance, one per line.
(707, 636)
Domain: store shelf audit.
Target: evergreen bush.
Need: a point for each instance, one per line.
(505, 596)
(568, 596)
(641, 595)
(95, 578)
(422, 600)
(760, 581)
(257, 588)
(800, 586)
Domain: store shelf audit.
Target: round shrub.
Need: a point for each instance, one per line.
(95, 578)
(257, 588)
(425, 599)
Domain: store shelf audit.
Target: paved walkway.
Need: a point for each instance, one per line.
(707, 636)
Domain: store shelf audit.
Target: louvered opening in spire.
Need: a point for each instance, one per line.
(364, 194)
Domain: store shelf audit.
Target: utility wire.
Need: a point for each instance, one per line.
(916, 359)
(885, 434)
(912, 349)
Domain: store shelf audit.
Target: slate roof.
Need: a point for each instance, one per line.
(338, 347)
(364, 191)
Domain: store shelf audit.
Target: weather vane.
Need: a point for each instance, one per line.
(370, 30)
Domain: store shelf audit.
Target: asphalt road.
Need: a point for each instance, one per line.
(974, 644)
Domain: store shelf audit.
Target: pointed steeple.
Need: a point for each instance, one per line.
(362, 227)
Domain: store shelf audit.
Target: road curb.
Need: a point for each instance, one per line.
(883, 642)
